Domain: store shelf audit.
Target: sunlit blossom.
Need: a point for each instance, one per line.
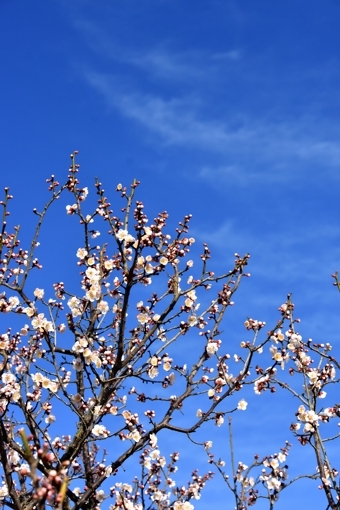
(242, 405)
(100, 430)
(81, 253)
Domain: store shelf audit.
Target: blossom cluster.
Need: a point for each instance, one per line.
(114, 356)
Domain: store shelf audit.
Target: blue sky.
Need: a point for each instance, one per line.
(225, 109)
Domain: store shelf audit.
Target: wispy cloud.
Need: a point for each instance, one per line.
(175, 95)
(289, 259)
(174, 120)
(160, 61)
(299, 251)
(179, 121)
(235, 54)
(286, 259)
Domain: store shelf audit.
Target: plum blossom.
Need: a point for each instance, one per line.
(103, 307)
(192, 320)
(29, 311)
(309, 417)
(135, 435)
(123, 235)
(7, 378)
(40, 323)
(92, 274)
(149, 269)
(273, 484)
(75, 305)
(39, 293)
(242, 405)
(153, 372)
(219, 420)
(3, 491)
(212, 348)
(178, 505)
(100, 495)
(153, 440)
(108, 264)
(190, 298)
(71, 209)
(142, 318)
(81, 253)
(100, 430)
(13, 302)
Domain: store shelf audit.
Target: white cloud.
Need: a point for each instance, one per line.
(181, 109)
(300, 253)
(228, 55)
(177, 121)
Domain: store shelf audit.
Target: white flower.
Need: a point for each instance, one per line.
(14, 457)
(108, 264)
(93, 274)
(71, 209)
(242, 405)
(100, 430)
(41, 323)
(281, 456)
(135, 435)
(273, 484)
(192, 320)
(7, 378)
(129, 238)
(81, 253)
(153, 440)
(94, 293)
(219, 421)
(211, 348)
(153, 372)
(103, 307)
(108, 471)
(149, 269)
(74, 304)
(155, 454)
(78, 364)
(142, 318)
(29, 311)
(3, 491)
(147, 463)
(178, 505)
(50, 419)
(140, 262)
(100, 496)
(274, 463)
(13, 301)
(154, 361)
(123, 235)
